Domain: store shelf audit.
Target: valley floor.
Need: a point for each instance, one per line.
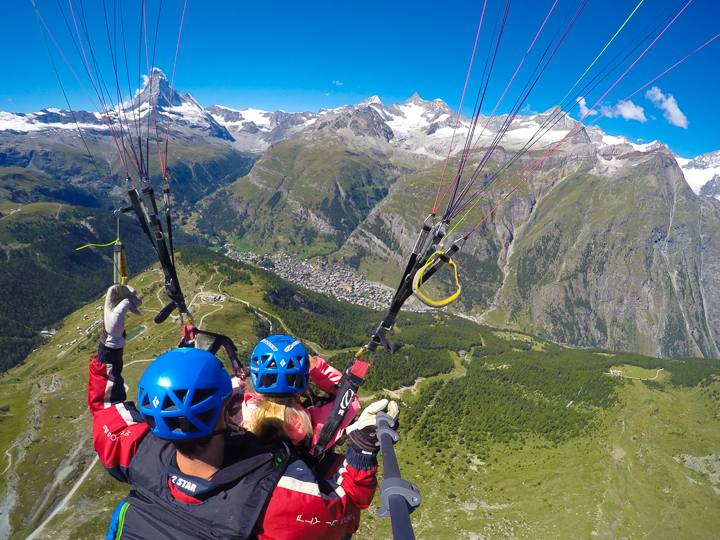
(647, 473)
(628, 481)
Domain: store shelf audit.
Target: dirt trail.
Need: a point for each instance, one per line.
(645, 378)
(64, 502)
(46, 385)
(412, 388)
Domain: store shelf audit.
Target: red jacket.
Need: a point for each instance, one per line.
(300, 507)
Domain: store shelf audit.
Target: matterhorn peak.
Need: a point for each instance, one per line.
(156, 87)
(157, 73)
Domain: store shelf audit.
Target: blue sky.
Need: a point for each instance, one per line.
(299, 56)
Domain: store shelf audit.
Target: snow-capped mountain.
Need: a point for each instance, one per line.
(185, 112)
(201, 154)
(421, 129)
(255, 130)
(425, 129)
(703, 173)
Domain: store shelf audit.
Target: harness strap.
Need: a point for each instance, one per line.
(350, 383)
(190, 333)
(149, 221)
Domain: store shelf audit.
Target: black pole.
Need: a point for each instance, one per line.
(400, 518)
(399, 497)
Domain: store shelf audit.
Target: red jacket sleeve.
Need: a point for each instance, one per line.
(325, 376)
(118, 427)
(304, 508)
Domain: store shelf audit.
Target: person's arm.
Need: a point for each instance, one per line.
(304, 508)
(324, 375)
(118, 427)
(326, 378)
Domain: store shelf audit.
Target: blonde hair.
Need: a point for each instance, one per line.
(272, 415)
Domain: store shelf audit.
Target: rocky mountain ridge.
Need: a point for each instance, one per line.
(421, 127)
(355, 183)
(642, 289)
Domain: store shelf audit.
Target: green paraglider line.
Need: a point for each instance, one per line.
(462, 100)
(62, 87)
(601, 52)
(547, 120)
(539, 161)
(533, 139)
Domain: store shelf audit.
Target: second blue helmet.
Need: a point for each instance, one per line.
(280, 365)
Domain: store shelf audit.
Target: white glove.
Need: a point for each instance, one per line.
(117, 304)
(363, 433)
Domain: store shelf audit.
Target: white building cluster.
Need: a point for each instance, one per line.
(336, 280)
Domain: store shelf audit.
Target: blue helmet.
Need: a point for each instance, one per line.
(180, 395)
(280, 365)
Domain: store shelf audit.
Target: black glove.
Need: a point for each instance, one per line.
(363, 433)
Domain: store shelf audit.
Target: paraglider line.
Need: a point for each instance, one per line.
(462, 99)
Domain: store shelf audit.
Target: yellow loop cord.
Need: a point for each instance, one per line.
(417, 283)
(99, 245)
(105, 245)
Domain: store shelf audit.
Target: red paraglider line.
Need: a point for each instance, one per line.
(172, 91)
(152, 100)
(66, 62)
(539, 161)
(492, 63)
(492, 114)
(104, 107)
(513, 78)
(457, 119)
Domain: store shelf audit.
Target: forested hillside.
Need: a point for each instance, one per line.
(496, 431)
(44, 278)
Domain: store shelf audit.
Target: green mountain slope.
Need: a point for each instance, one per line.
(308, 196)
(625, 260)
(42, 276)
(599, 247)
(517, 438)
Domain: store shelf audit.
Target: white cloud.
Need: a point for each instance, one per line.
(626, 109)
(337, 83)
(667, 103)
(527, 110)
(629, 111)
(583, 108)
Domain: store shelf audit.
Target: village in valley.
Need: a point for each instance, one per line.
(336, 280)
